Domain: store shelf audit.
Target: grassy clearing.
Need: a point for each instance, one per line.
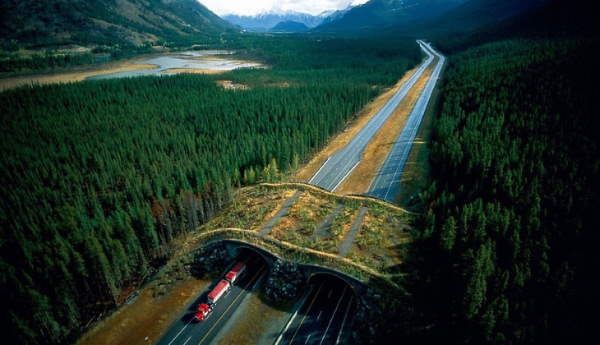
(339, 228)
(381, 240)
(376, 245)
(250, 209)
(300, 224)
(346, 200)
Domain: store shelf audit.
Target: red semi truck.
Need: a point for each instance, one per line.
(222, 288)
(204, 309)
(235, 272)
(203, 312)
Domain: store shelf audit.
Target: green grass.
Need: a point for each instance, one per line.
(376, 244)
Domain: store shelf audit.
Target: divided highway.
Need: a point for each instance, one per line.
(339, 165)
(186, 331)
(323, 317)
(386, 184)
(325, 313)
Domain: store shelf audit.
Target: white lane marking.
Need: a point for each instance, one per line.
(329, 294)
(416, 116)
(375, 123)
(426, 93)
(318, 171)
(307, 339)
(333, 316)
(344, 178)
(344, 159)
(293, 317)
(383, 116)
(251, 284)
(178, 334)
(319, 316)
(344, 321)
(188, 339)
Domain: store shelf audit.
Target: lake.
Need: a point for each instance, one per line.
(204, 61)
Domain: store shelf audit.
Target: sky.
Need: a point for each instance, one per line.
(252, 7)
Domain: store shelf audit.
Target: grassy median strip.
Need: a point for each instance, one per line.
(378, 149)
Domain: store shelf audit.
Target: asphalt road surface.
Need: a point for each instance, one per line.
(339, 165)
(386, 184)
(323, 318)
(186, 331)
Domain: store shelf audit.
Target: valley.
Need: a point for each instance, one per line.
(202, 62)
(180, 172)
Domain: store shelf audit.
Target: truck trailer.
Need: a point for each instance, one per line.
(204, 309)
(235, 272)
(218, 291)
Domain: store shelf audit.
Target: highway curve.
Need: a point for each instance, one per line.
(185, 331)
(386, 184)
(339, 165)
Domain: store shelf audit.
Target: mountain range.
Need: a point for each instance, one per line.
(122, 23)
(266, 21)
(378, 14)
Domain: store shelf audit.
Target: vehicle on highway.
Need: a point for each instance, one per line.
(203, 312)
(204, 309)
(235, 272)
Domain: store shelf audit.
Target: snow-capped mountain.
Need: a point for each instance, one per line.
(265, 21)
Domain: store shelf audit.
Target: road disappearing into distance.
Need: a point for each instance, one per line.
(386, 184)
(341, 164)
(326, 310)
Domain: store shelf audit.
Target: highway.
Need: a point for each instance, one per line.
(325, 312)
(339, 165)
(386, 184)
(324, 316)
(186, 331)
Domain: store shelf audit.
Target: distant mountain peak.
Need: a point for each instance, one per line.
(264, 21)
(290, 26)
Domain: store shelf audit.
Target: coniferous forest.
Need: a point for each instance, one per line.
(99, 177)
(501, 251)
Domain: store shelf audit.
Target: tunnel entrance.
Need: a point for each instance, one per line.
(250, 257)
(235, 273)
(254, 255)
(332, 281)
